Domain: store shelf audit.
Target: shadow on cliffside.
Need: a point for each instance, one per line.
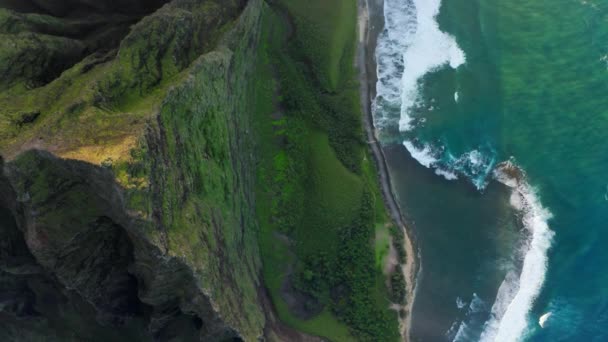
(73, 263)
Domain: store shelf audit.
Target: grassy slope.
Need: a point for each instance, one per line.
(329, 25)
(306, 193)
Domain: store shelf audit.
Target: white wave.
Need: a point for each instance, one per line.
(467, 330)
(473, 164)
(449, 175)
(543, 319)
(474, 157)
(423, 155)
(567, 320)
(430, 50)
(456, 96)
(462, 333)
(506, 292)
(516, 295)
(477, 166)
(397, 36)
(410, 46)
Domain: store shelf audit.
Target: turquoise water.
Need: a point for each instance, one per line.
(465, 85)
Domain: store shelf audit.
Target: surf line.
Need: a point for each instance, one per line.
(509, 318)
(430, 49)
(411, 46)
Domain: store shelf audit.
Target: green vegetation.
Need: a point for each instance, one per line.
(199, 162)
(317, 198)
(104, 97)
(217, 134)
(168, 114)
(398, 287)
(325, 33)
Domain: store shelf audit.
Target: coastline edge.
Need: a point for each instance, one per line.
(367, 38)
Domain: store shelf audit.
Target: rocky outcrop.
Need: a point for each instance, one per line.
(66, 223)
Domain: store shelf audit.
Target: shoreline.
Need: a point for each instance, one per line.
(370, 23)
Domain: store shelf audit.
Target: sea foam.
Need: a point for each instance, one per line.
(430, 49)
(468, 328)
(424, 155)
(516, 295)
(393, 41)
(543, 319)
(428, 158)
(474, 164)
(410, 46)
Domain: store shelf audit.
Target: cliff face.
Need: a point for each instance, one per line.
(74, 250)
(152, 235)
(202, 171)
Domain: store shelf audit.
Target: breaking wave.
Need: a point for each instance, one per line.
(474, 164)
(410, 46)
(516, 295)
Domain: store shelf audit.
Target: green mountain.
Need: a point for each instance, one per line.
(189, 170)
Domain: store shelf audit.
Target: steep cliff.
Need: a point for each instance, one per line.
(187, 170)
(150, 227)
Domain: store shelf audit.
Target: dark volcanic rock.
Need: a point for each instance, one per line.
(171, 253)
(63, 223)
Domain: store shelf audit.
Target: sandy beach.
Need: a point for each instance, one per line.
(370, 24)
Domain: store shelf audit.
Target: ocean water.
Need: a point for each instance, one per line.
(494, 117)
